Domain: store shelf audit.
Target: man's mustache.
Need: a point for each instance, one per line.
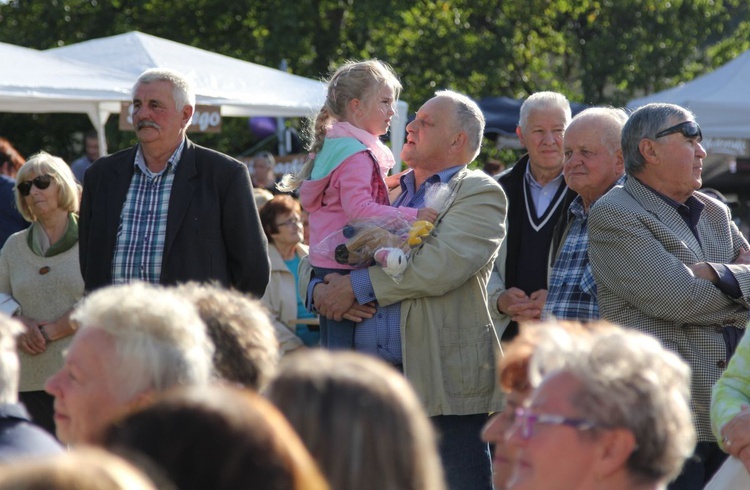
(148, 124)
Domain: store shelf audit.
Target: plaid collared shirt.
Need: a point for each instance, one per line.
(571, 294)
(139, 249)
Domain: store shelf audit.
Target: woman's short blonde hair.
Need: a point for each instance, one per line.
(42, 163)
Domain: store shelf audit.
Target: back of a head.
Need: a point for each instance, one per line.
(261, 196)
(219, 438)
(360, 419)
(10, 156)
(469, 119)
(79, 469)
(628, 380)
(246, 348)
(160, 339)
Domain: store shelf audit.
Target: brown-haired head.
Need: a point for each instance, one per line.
(216, 437)
(10, 159)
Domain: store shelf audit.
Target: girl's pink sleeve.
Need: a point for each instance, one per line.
(353, 178)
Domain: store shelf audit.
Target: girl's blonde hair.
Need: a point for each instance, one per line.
(352, 80)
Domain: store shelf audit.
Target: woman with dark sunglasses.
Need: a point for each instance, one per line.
(40, 277)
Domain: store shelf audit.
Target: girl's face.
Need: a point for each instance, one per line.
(374, 113)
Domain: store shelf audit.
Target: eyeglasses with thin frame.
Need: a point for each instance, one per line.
(527, 421)
(40, 182)
(290, 222)
(689, 129)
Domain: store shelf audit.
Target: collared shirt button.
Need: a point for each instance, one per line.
(721, 364)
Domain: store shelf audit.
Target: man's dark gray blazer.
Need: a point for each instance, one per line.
(213, 230)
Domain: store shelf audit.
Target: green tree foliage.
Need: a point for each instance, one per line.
(594, 51)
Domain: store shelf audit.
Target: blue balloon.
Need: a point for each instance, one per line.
(262, 127)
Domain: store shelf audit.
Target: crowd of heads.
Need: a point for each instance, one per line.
(169, 379)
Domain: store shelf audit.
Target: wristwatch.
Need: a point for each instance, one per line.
(44, 334)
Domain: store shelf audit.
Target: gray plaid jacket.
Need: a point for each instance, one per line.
(639, 247)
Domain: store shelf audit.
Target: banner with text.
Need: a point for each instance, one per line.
(207, 119)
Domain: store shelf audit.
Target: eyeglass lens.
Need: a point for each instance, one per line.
(40, 182)
(289, 222)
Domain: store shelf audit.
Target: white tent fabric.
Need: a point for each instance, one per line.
(255, 90)
(720, 99)
(240, 87)
(40, 83)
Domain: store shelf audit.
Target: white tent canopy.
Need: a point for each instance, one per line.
(40, 83)
(720, 99)
(251, 89)
(240, 87)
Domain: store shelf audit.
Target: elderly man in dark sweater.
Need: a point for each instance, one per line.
(537, 197)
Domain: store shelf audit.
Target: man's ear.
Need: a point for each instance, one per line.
(519, 133)
(187, 113)
(648, 150)
(140, 401)
(459, 143)
(620, 162)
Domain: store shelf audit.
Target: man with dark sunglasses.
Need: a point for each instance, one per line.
(669, 261)
(168, 211)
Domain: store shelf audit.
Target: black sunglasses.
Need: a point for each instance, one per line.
(40, 181)
(689, 129)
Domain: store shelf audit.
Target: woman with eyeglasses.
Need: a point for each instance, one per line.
(40, 276)
(282, 225)
(518, 385)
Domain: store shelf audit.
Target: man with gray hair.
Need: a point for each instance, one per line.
(19, 438)
(669, 261)
(132, 341)
(537, 200)
(168, 211)
(434, 324)
(593, 164)
(611, 413)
